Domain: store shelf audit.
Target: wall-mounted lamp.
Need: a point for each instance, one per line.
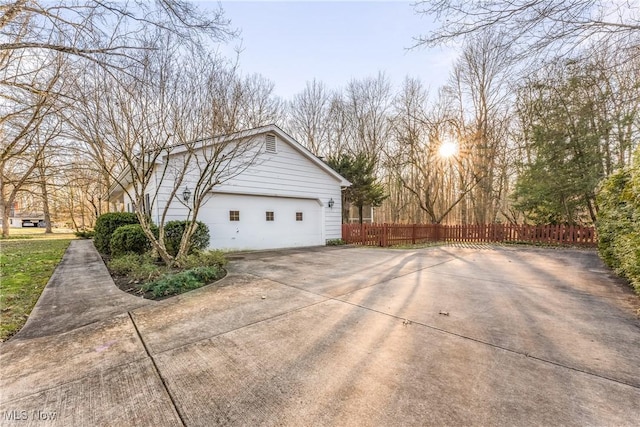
(331, 202)
(186, 194)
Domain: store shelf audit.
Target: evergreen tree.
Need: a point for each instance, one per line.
(365, 188)
(562, 150)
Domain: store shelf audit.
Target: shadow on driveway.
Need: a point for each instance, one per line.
(342, 336)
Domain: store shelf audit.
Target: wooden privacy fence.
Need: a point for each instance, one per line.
(399, 234)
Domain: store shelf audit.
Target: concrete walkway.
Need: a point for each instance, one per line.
(337, 336)
(79, 292)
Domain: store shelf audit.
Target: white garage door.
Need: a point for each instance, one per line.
(257, 222)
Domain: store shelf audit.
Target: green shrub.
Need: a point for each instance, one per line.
(136, 266)
(130, 238)
(85, 234)
(205, 259)
(207, 274)
(336, 242)
(173, 231)
(627, 251)
(618, 222)
(124, 264)
(172, 284)
(106, 224)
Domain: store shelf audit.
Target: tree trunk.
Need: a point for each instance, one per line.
(5, 220)
(592, 208)
(45, 203)
(72, 209)
(346, 207)
(157, 243)
(360, 213)
(5, 205)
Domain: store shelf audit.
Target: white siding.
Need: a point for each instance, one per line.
(286, 174)
(150, 190)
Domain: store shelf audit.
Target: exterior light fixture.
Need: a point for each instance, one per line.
(331, 202)
(186, 194)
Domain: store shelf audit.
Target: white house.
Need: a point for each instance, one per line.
(285, 197)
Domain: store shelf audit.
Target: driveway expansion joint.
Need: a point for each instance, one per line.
(155, 368)
(75, 380)
(212, 336)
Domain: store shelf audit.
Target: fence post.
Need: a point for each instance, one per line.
(572, 234)
(384, 239)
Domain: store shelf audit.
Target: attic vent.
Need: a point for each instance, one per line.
(270, 143)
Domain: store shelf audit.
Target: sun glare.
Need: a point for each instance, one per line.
(448, 149)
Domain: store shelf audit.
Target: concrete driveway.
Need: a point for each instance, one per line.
(350, 337)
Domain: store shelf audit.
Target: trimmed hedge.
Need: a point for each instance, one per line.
(173, 231)
(130, 239)
(106, 224)
(618, 222)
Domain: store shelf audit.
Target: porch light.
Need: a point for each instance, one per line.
(186, 194)
(331, 202)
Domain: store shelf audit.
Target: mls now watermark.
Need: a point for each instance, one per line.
(35, 415)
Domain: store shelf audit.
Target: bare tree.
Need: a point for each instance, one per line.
(479, 90)
(103, 32)
(616, 95)
(38, 37)
(259, 105)
(437, 183)
(239, 102)
(339, 126)
(366, 103)
(160, 126)
(28, 103)
(535, 26)
(309, 118)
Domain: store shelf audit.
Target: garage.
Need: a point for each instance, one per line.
(278, 196)
(240, 221)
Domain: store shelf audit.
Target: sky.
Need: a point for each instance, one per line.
(292, 42)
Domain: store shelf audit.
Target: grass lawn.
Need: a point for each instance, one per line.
(27, 260)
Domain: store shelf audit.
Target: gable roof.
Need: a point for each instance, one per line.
(302, 150)
(272, 128)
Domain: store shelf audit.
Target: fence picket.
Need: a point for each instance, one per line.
(394, 234)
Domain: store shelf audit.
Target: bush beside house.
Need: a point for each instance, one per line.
(135, 268)
(130, 239)
(106, 225)
(173, 231)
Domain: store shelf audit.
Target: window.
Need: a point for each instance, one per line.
(270, 143)
(269, 216)
(234, 215)
(298, 216)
